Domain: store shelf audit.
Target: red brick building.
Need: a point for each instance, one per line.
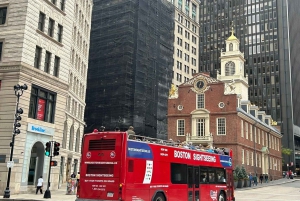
(216, 112)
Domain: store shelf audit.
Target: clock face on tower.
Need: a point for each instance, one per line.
(200, 84)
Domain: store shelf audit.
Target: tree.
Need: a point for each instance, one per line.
(286, 152)
(243, 170)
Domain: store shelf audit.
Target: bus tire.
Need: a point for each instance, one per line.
(222, 196)
(159, 197)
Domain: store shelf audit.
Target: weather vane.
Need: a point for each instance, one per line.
(232, 28)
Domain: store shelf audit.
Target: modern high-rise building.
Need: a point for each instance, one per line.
(268, 32)
(186, 40)
(43, 44)
(130, 66)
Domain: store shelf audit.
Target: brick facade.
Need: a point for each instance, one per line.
(182, 105)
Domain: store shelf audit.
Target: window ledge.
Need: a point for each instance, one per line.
(49, 37)
(55, 7)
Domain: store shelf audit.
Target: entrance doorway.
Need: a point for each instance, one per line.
(36, 164)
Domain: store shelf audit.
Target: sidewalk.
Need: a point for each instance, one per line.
(270, 183)
(57, 195)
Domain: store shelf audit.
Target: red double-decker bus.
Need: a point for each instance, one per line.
(114, 167)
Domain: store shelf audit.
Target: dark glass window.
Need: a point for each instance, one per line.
(1, 46)
(50, 27)
(3, 12)
(41, 21)
(59, 33)
(62, 5)
(53, 1)
(37, 58)
(42, 104)
(47, 62)
(178, 173)
(56, 66)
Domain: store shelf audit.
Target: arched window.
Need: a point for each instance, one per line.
(230, 47)
(77, 141)
(71, 139)
(229, 68)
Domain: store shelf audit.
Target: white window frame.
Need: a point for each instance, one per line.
(200, 121)
(243, 156)
(246, 130)
(262, 138)
(252, 159)
(221, 125)
(258, 136)
(247, 157)
(242, 128)
(251, 132)
(200, 101)
(179, 127)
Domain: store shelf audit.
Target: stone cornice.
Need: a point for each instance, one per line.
(259, 125)
(23, 68)
(49, 37)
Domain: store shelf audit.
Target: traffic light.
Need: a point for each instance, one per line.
(56, 149)
(53, 163)
(18, 118)
(48, 149)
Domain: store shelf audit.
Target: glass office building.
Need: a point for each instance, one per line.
(267, 30)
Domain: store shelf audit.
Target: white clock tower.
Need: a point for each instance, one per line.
(232, 69)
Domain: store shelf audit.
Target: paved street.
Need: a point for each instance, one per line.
(57, 195)
(280, 190)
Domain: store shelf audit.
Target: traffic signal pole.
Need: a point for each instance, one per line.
(47, 192)
(55, 147)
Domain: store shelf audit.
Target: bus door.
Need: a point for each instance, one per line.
(229, 183)
(193, 184)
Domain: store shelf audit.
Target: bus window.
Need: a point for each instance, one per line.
(178, 173)
(203, 175)
(211, 175)
(221, 175)
(190, 177)
(196, 175)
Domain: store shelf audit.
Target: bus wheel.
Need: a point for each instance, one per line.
(160, 197)
(221, 197)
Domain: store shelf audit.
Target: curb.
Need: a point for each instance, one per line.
(271, 184)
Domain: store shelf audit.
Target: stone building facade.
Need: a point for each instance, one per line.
(186, 40)
(37, 40)
(216, 112)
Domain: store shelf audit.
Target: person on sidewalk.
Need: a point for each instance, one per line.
(73, 176)
(39, 186)
(250, 179)
(255, 180)
(78, 177)
(267, 178)
(261, 177)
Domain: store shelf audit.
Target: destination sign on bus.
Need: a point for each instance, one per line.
(196, 156)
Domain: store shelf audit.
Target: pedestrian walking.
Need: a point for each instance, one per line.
(255, 180)
(261, 177)
(267, 178)
(73, 175)
(250, 179)
(78, 177)
(39, 185)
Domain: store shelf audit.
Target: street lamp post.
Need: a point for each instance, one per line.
(18, 92)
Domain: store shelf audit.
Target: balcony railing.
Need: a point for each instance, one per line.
(199, 139)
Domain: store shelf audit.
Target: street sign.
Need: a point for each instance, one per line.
(10, 164)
